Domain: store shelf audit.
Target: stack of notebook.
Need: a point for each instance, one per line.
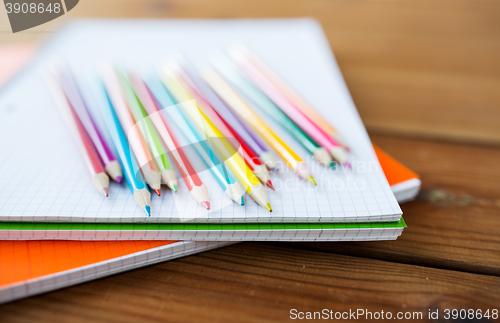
(46, 194)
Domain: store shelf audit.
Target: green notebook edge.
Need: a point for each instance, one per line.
(52, 226)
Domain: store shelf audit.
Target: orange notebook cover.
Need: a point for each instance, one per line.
(33, 267)
(405, 183)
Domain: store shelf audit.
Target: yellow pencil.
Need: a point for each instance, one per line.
(232, 158)
(239, 106)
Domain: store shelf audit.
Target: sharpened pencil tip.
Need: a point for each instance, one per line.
(348, 164)
(332, 165)
(270, 184)
(312, 180)
(206, 205)
(268, 206)
(174, 188)
(119, 179)
(147, 208)
(158, 192)
(105, 191)
(242, 201)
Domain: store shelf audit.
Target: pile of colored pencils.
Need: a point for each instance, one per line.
(219, 115)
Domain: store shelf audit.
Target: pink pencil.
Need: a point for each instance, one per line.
(260, 80)
(73, 93)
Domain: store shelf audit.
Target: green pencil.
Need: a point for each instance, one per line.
(231, 73)
(143, 122)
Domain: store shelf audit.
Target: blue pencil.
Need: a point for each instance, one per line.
(133, 176)
(225, 180)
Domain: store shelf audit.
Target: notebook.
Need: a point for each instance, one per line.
(32, 267)
(56, 186)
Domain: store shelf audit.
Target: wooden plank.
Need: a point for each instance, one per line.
(454, 223)
(257, 282)
(427, 68)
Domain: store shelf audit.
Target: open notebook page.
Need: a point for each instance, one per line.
(42, 177)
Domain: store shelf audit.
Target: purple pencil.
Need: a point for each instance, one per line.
(220, 107)
(70, 88)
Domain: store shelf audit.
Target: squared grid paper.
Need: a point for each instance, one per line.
(43, 179)
(33, 267)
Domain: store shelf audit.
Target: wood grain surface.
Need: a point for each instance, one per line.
(425, 76)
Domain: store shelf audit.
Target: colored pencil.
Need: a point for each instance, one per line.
(251, 159)
(133, 176)
(239, 106)
(247, 139)
(72, 91)
(168, 107)
(100, 179)
(135, 138)
(255, 164)
(332, 146)
(292, 95)
(237, 164)
(158, 149)
(195, 186)
(232, 74)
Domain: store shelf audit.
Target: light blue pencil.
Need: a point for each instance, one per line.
(225, 180)
(135, 180)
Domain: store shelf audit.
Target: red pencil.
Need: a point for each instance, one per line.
(100, 179)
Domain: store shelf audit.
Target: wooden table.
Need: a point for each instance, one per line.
(425, 76)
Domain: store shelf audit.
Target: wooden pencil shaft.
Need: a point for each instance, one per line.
(134, 180)
(235, 102)
(80, 106)
(88, 153)
(166, 102)
(253, 94)
(286, 106)
(235, 161)
(187, 171)
(300, 103)
(250, 158)
(143, 122)
(135, 139)
(224, 112)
